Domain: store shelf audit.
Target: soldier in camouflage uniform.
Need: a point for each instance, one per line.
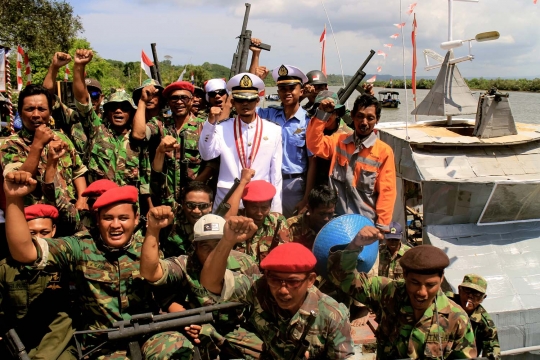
(104, 266)
(25, 292)
(173, 168)
(321, 207)
(417, 319)
(48, 155)
(272, 228)
(472, 292)
(391, 252)
(284, 299)
(198, 108)
(92, 192)
(177, 280)
(116, 144)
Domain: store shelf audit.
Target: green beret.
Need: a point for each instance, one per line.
(475, 282)
(424, 259)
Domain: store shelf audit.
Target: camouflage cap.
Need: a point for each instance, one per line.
(475, 282)
(138, 91)
(119, 97)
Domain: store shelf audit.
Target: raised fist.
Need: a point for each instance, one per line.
(148, 92)
(83, 56)
(247, 175)
(159, 217)
(368, 88)
(61, 59)
(168, 143)
(57, 149)
(327, 105)
(215, 113)
(43, 135)
(19, 184)
(367, 236)
(262, 72)
(256, 42)
(239, 229)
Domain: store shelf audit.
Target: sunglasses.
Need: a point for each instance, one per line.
(213, 94)
(477, 295)
(182, 98)
(122, 106)
(289, 283)
(190, 205)
(95, 95)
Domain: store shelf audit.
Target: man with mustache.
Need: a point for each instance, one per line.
(41, 151)
(417, 320)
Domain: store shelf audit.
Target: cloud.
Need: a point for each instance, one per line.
(205, 30)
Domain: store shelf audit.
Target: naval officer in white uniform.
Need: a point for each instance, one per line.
(245, 141)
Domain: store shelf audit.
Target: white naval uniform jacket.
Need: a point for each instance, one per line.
(218, 140)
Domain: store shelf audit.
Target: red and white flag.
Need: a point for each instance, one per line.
(399, 26)
(146, 63)
(388, 45)
(382, 53)
(411, 8)
(66, 73)
(379, 69)
(371, 79)
(20, 56)
(414, 62)
(395, 36)
(322, 40)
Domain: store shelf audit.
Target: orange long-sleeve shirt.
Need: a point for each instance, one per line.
(364, 177)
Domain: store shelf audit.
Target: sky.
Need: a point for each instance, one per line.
(198, 31)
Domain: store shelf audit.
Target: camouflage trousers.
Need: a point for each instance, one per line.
(238, 343)
(169, 345)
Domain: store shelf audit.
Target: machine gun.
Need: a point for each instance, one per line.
(354, 84)
(240, 57)
(303, 344)
(15, 345)
(224, 206)
(149, 324)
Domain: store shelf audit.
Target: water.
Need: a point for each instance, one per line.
(525, 106)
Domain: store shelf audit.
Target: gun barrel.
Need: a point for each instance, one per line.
(301, 353)
(246, 17)
(155, 327)
(156, 62)
(15, 345)
(345, 92)
(246, 36)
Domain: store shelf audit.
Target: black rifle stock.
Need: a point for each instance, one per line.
(345, 92)
(240, 57)
(303, 344)
(15, 345)
(149, 324)
(224, 206)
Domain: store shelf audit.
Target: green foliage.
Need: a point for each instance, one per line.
(41, 26)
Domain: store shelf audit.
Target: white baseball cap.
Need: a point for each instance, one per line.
(209, 227)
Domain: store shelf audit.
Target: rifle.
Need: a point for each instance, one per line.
(303, 344)
(183, 161)
(275, 239)
(155, 69)
(224, 206)
(354, 83)
(240, 57)
(15, 346)
(149, 324)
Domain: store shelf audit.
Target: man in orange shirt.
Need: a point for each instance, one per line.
(362, 169)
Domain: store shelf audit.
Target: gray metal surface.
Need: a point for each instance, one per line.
(508, 256)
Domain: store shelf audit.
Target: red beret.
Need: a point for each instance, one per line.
(40, 211)
(289, 258)
(178, 85)
(259, 190)
(121, 194)
(98, 187)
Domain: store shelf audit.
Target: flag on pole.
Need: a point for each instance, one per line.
(146, 63)
(413, 36)
(322, 40)
(66, 73)
(181, 77)
(371, 79)
(399, 26)
(388, 45)
(411, 8)
(395, 36)
(20, 56)
(382, 53)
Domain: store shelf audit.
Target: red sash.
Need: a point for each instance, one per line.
(245, 160)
